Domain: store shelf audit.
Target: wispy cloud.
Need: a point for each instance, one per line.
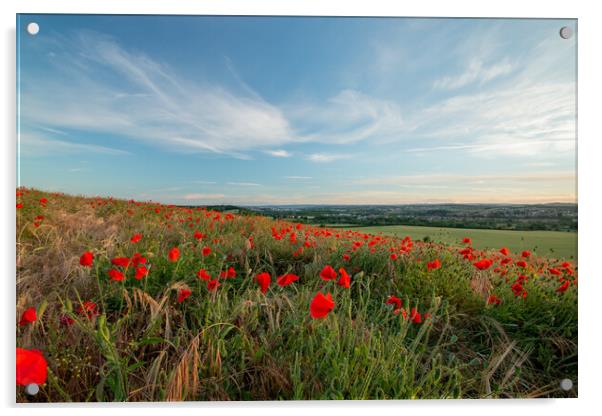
(243, 184)
(326, 157)
(32, 144)
(476, 72)
(298, 177)
(279, 153)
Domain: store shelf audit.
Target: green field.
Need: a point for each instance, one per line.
(553, 244)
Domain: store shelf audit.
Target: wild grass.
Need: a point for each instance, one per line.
(236, 343)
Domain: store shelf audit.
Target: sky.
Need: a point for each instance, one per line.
(298, 110)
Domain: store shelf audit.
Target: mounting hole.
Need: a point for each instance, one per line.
(566, 32)
(33, 28)
(566, 384)
(32, 389)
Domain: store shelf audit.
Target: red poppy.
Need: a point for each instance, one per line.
(504, 251)
(394, 300)
(566, 265)
(183, 294)
(563, 287)
(483, 264)
(206, 251)
(19, 206)
(555, 272)
(346, 257)
(228, 274)
(521, 263)
(43, 201)
(121, 261)
(494, 300)
(518, 289)
(393, 256)
(116, 275)
(506, 261)
(86, 259)
(66, 320)
(213, 284)
(28, 316)
(328, 273)
(199, 235)
(138, 259)
(321, 305)
(32, 367)
(141, 271)
(433, 265)
(264, 279)
(135, 238)
(415, 316)
(466, 240)
(174, 254)
(87, 308)
(202, 274)
(344, 280)
(287, 279)
(526, 253)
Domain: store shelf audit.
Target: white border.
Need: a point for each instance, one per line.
(590, 68)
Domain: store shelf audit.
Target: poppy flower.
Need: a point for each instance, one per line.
(19, 206)
(174, 254)
(321, 305)
(505, 251)
(32, 367)
(183, 294)
(344, 280)
(395, 301)
(287, 279)
(199, 235)
(202, 274)
(346, 257)
(566, 265)
(120, 261)
(28, 316)
(264, 279)
(526, 253)
(466, 240)
(563, 287)
(328, 273)
(43, 201)
(555, 272)
(66, 320)
(206, 251)
(116, 275)
(493, 300)
(213, 285)
(415, 316)
(521, 263)
(135, 238)
(86, 259)
(141, 271)
(517, 289)
(87, 308)
(228, 274)
(138, 259)
(483, 264)
(393, 256)
(433, 265)
(505, 261)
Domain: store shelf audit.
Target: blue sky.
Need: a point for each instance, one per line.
(277, 110)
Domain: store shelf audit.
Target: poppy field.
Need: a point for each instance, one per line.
(122, 300)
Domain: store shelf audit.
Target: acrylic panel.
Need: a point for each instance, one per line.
(295, 208)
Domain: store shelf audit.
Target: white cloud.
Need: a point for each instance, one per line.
(279, 153)
(243, 184)
(32, 144)
(476, 72)
(298, 177)
(326, 157)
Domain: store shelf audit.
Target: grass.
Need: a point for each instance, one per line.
(139, 343)
(554, 244)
